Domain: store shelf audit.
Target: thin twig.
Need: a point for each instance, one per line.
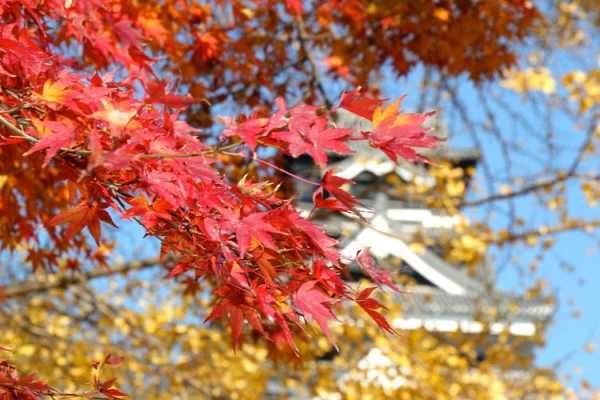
(316, 74)
(64, 280)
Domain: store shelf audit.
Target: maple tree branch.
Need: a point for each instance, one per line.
(215, 150)
(516, 193)
(470, 128)
(545, 184)
(275, 167)
(21, 133)
(85, 153)
(64, 280)
(316, 75)
(547, 231)
(13, 128)
(504, 150)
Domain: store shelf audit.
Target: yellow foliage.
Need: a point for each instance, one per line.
(468, 249)
(591, 191)
(169, 354)
(54, 92)
(531, 79)
(114, 115)
(583, 87)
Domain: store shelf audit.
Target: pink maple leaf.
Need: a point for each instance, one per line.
(60, 136)
(254, 226)
(358, 103)
(371, 306)
(339, 199)
(315, 305)
(379, 276)
(398, 134)
(314, 137)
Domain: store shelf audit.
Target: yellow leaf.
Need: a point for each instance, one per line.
(27, 350)
(248, 12)
(115, 116)
(531, 240)
(381, 114)
(417, 247)
(590, 347)
(442, 14)
(3, 180)
(532, 79)
(54, 92)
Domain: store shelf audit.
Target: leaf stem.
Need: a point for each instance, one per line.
(267, 163)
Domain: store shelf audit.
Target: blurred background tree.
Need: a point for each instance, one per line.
(517, 81)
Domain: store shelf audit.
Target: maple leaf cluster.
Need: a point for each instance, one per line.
(22, 387)
(119, 142)
(17, 386)
(253, 52)
(246, 52)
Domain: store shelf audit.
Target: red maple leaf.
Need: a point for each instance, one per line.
(23, 50)
(315, 305)
(398, 134)
(232, 307)
(379, 276)
(339, 199)
(107, 388)
(310, 134)
(371, 306)
(358, 103)
(178, 269)
(254, 226)
(315, 234)
(113, 359)
(156, 93)
(283, 336)
(113, 393)
(82, 215)
(151, 213)
(59, 136)
(6, 141)
(295, 7)
(328, 278)
(14, 386)
(253, 128)
(249, 130)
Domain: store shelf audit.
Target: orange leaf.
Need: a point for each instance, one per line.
(54, 92)
(83, 214)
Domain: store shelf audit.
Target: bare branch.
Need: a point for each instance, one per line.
(64, 280)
